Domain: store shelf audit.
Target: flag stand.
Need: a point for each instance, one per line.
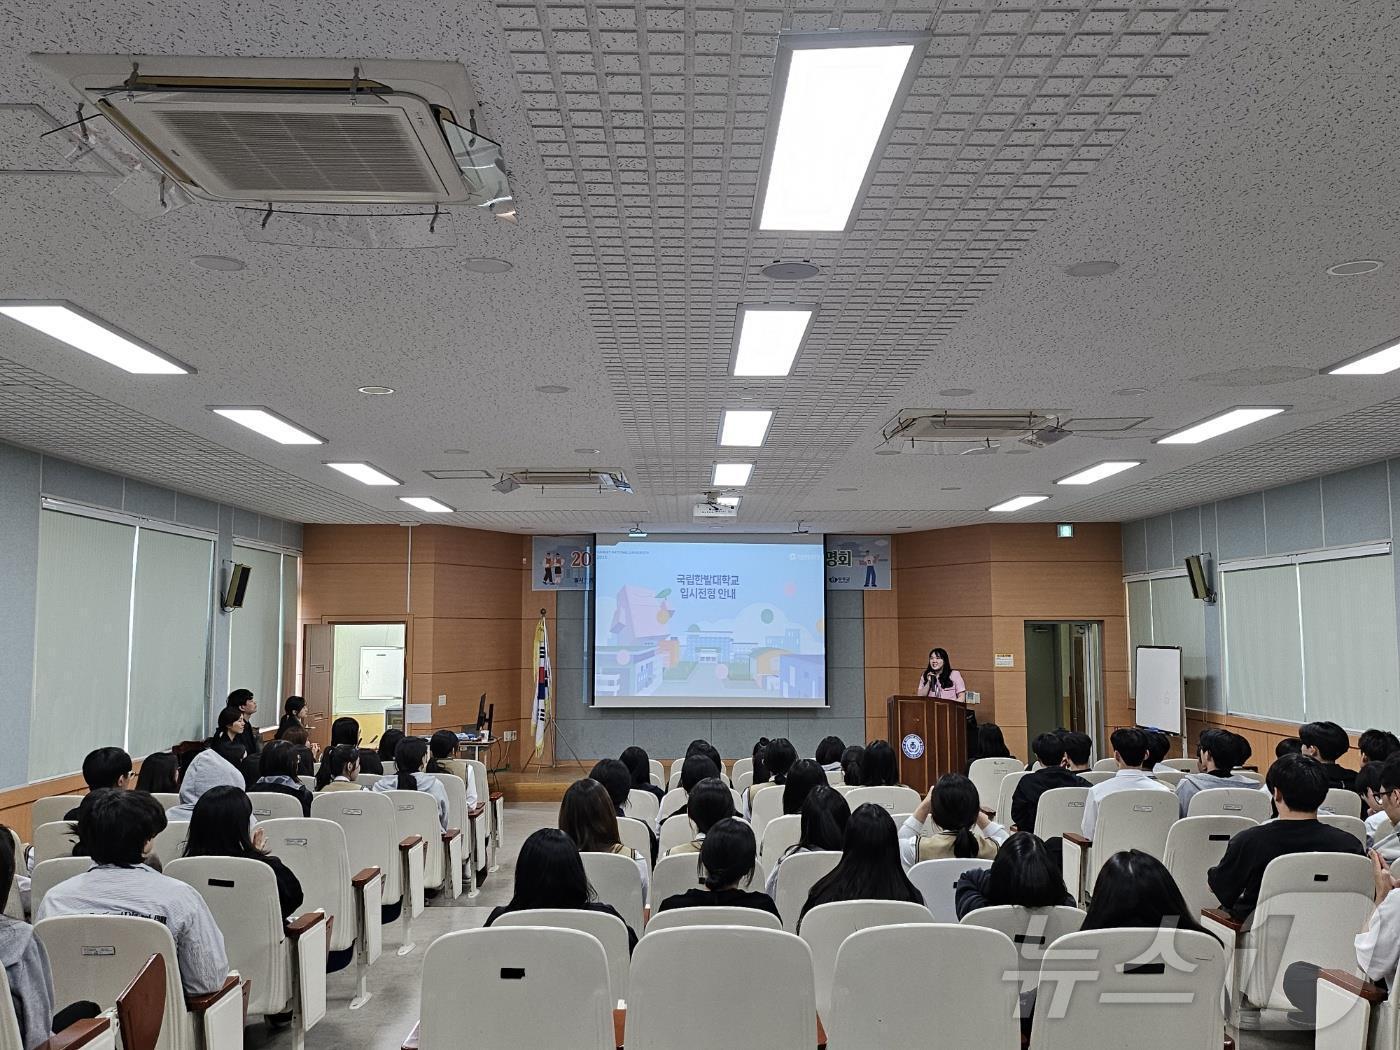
(551, 725)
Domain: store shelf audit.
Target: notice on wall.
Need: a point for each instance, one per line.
(418, 714)
(858, 563)
(562, 563)
(1004, 660)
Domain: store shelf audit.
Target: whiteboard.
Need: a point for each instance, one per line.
(381, 672)
(1158, 688)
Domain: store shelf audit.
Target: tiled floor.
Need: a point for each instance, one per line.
(382, 1023)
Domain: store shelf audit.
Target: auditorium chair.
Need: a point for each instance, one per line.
(269, 805)
(796, 877)
(617, 882)
(610, 931)
(826, 926)
(935, 879)
(1194, 846)
(897, 798)
(986, 775)
(1134, 819)
(1257, 805)
(716, 916)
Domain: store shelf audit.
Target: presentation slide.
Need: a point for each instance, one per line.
(685, 622)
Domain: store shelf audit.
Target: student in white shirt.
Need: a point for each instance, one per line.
(1388, 795)
(410, 756)
(1130, 752)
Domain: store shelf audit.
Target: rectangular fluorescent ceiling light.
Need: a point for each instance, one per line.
(1016, 503)
(769, 340)
(1372, 363)
(69, 325)
(746, 427)
(364, 472)
(1217, 425)
(427, 504)
(1099, 471)
(835, 102)
(728, 501)
(736, 474)
(269, 425)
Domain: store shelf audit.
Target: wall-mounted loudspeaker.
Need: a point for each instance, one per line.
(237, 586)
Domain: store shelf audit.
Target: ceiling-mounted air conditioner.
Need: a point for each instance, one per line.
(291, 130)
(960, 432)
(600, 480)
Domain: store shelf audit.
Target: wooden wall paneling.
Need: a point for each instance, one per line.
(1057, 590)
(476, 592)
(947, 590)
(452, 545)
(354, 543)
(968, 637)
(476, 644)
(363, 590)
(1037, 542)
(943, 547)
(16, 803)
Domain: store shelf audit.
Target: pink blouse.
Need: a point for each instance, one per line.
(942, 692)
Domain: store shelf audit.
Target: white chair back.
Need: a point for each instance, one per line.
(669, 920)
(658, 773)
(1170, 777)
(974, 1006)
(456, 789)
(935, 879)
(669, 1011)
(520, 986)
(1231, 802)
(1004, 793)
(170, 844)
(1161, 985)
(780, 834)
(53, 840)
(49, 873)
(52, 808)
(1343, 802)
(741, 765)
(764, 805)
(827, 925)
(1134, 819)
(835, 778)
(643, 805)
(1194, 846)
(1186, 765)
(416, 813)
(986, 775)
(673, 875)
(1250, 774)
(271, 805)
(1031, 932)
(1354, 826)
(676, 831)
(371, 834)
(317, 852)
(636, 835)
(609, 929)
(616, 881)
(744, 780)
(796, 877)
(896, 798)
(1105, 765)
(308, 782)
(672, 802)
(1098, 776)
(167, 799)
(1060, 810)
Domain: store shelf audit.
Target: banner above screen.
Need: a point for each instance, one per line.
(685, 621)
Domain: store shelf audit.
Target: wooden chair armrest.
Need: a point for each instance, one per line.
(1357, 986)
(298, 926)
(450, 834)
(198, 1004)
(77, 1034)
(364, 877)
(1077, 839)
(496, 796)
(1223, 917)
(412, 842)
(411, 1042)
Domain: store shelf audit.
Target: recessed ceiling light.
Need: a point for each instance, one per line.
(790, 271)
(1372, 363)
(887, 452)
(375, 389)
(1217, 425)
(226, 263)
(1355, 268)
(732, 474)
(269, 424)
(834, 105)
(1093, 268)
(484, 264)
(728, 501)
(81, 330)
(426, 504)
(1016, 503)
(744, 427)
(956, 391)
(1099, 471)
(456, 452)
(364, 473)
(586, 451)
(768, 340)
(1130, 391)
(551, 389)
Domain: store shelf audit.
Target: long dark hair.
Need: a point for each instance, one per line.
(804, 775)
(443, 745)
(334, 761)
(990, 741)
(7, 864)
(1135, 889)
(587, 816)
(159, 772)
(345, 730)
(878, 768)
(728, 854)
(1023, 873)
(219, 825)
(709, 802)
(853, 765)
(408, 761)
(829, 750)
(291, 714)
(825, 815)
(638, 763)
(778, 759)
(227, 717)
(760, 767)
(943, 675)
(279, 758)
(549, 873)
(389, 744)
(955, 808)
(869, 868)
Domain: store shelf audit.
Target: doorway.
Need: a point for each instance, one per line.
(1064, 677)
(355, 669)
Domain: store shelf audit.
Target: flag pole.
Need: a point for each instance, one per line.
(544, 685)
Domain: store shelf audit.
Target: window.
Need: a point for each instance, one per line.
(1263, 659)
(1161, 611)
(262, 634)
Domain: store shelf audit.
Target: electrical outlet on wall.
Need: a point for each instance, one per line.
(510, 734)
(442, 699)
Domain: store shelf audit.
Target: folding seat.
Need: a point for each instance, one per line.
(307, 782)
(896, 798)
(835, 778)
(52, 808)
(964, 998)
(1194, 846)
(1004, 793)
(673, 875)
(141, 1007)
(1343, 802)
(49, 873)
(1257, 805)
(717, 916)
(1353, 826)
(636, 835)
(643, 805)
(317, 852)
(1059, 810)
(610, 931)
(744, 780)
(95, 957)
(798, 874)
(1354, 1014)
(740, 766)
(348, 785)
(167, 799)
(764, 805)
(935, 879)
(456, 789)
(779, 835)
(95, 1034)
(1186, 765)
(170, 843)
(1031, 931)
(1135, 819)
(1105, 765)
(616, 881)
(826, 926)
(416, 813)
(676, 831)
(1098, 776)
(986, 775)
(485, 830)
(270, 805)
(54, 839)
(284, 962)
(672, 802)
(1170, 777)
(658, 773)
(1250, 774)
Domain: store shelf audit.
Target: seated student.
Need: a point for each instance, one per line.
(410, 759)
(1049, 751)
(852, 763)
(1158, 746)
(953, 804)
(107, 767)
(638, 764)
(1387, 795)
(710, 801)
(346, 730)
(277, 766)
(119, 828)
(991, 743)
(1376, 745)
(1023, 873)
(1218, 752)
(804, 775)
(829, 753)
(586, 815)
(823, 827)
(869, 868)
(613, 775)
(778, 757)
(219, 828)
(293, 716)
(389, 745)
(1368, 786)
(1135, 889)
(879, 767)
(727, 859)
(1079, 749)
(1327, 742)
(305, 752)
(1289, 745)
(1299, 786)
(444, 746)
(208, 770)
(549, 874)
(340, 768)
(231, 726)
(242, 703)
(1130, 752)
(159, 772)
(704, 747)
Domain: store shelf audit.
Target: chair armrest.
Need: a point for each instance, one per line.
(1357, 986)
(1077, 839)
(198, 1004)
(77, 1034)
(496, 796)
(364, 877)
(298, 926)
(450, 834)
(1223, 917)
(412, 842)
(411, 1042)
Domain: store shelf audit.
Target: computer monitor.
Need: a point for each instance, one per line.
(481, 713)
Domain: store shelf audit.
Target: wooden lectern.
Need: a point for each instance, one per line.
(929, 736)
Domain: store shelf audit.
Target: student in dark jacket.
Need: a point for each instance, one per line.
(1049, 750)
(278, 768)
(299, 738)
(219, 828)
(727, 859)
(243, 702)
(107, 767)
(1023, 873)
(1299, 786)
(1327, 742)
(549, 874)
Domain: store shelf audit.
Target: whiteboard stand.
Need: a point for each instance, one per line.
(1160, 690)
